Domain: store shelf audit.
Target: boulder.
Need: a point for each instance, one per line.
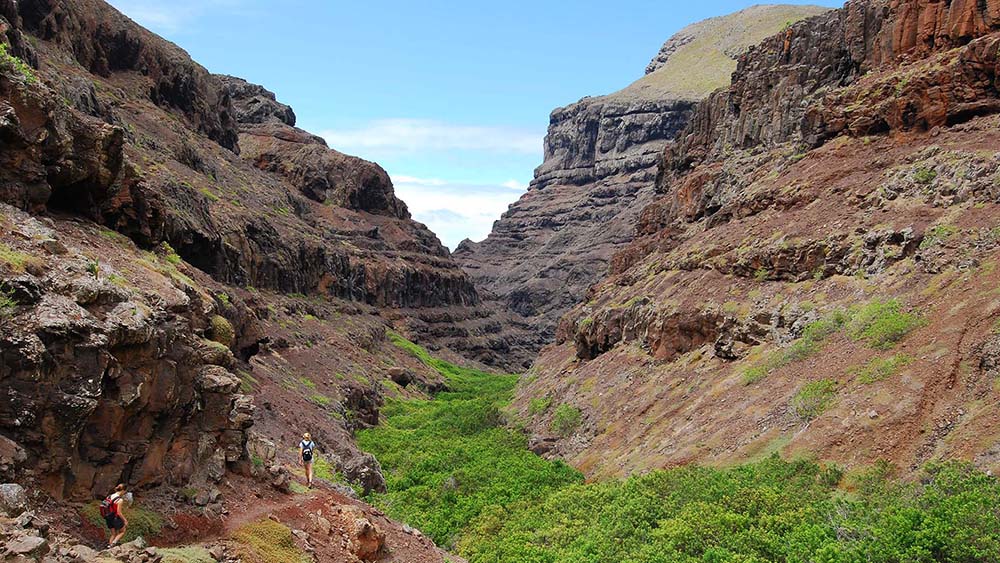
(13, 499)
(27, 546)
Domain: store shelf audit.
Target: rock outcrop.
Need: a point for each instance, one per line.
(170, 244)
(847, 178)
(601, 155)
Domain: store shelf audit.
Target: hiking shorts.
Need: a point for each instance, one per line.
(114, 522)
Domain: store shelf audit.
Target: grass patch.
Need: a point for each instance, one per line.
(194, 554)
(924, 175)
(813, 398)
(937, 235)
(141, 521)
(882, 324)
(565, 420)
(321, 400)
(11, 63)
(268, 542)
(539, 405)
(448, 459)
(811, 342)
(879, 369)
(18, 261)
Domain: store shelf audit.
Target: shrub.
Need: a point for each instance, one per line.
(565, 419)
(222, 331)
(193, 554)
(11, 63)
(539, 405)
(7, 305)
(813, 398)
(446, 460)
(882, 324)
(803, 347)
(881, 368)
(924, 175)
(268, 542)
(938, 234)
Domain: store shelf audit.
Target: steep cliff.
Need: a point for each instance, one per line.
(171, 246)
(600, 162)
(815, 274)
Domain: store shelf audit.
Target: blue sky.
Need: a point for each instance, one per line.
(451, 98)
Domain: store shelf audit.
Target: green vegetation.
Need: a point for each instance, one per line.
(882, 324)
(11, 63)
(565, 420)
(938, 234)
(813, 398)
(448, 459)
(193, 554)
(268, 542)
(141, 521)
(222, 331)
(94, 268)
(808, 344)
(321, 400)
(7, 305)
(18, 261)
(924, 175)
(472, 485)
(539, 405)
(879, 369)
(771, 511)
(170, 255)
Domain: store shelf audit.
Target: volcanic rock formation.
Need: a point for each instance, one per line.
(170, 244)
(815, 273)
(600, 162)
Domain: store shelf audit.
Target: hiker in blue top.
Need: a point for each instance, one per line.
(307, 449)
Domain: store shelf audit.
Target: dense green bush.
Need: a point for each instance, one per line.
(473, 486)
(445, 460)
(881, 324)
(772, 511)
(813, 398)
(565, 420)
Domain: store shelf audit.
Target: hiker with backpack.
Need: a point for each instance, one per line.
(307, 449)
(111, 510)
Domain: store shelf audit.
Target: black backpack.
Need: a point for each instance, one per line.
(307, 451)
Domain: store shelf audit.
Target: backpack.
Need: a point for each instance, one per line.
(307, 451)
(108, 507)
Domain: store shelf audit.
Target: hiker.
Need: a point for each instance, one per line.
(111, 510)
(307, 449)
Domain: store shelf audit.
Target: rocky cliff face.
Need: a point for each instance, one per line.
(813, 274)
(170, 245)
(601, 155)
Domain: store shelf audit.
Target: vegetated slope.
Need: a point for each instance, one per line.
(179, 263)
(818, 272)
(453, 471)
(450, 457)
(600, 162)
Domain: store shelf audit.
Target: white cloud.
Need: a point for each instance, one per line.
(514, 185)
(171, 16)
(455, 210)
(425, 135)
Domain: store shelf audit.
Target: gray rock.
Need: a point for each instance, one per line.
(28, 546)
(13, 499)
